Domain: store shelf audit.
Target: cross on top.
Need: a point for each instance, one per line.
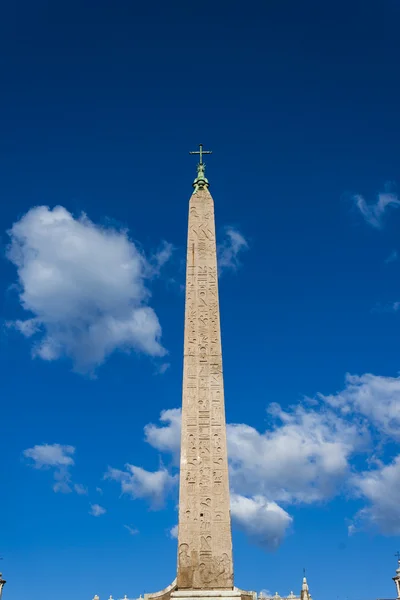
(200, 152)
(398, 556)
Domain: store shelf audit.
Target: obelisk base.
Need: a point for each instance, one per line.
(172, 593)
(165, 594)
(235, 594)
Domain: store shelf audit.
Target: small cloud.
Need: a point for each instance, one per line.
(163, 368)
(374, 213)
(386, 308)
(352, 529)
(166, 438)
(50, 455)
(80, 489)
(56, 457)
(230, 249)
(131, 530)
(173, 532)
(96, 510)
(99, 490)
(139, 483)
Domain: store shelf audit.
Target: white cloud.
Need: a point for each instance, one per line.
(85, 286)
(168, 437)
(139, 483)
(57, 458)
(173, 532)
(50, 455)
(381, 490)
(264, 522)
(303, 457)
(131, 530)
(373, 213)
(230, 249)
(375, 397)
(96, 510)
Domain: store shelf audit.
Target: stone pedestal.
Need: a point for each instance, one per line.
(235, 594)
(172, 593)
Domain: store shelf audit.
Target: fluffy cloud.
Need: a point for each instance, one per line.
(173, 532)
(80, 489)
(303, 457)
(139, 483)
(168, 437)
(85, 286)
(59, 459)
(230, 249)
(380, 488)
(50, 455)
(264, 522)
(374, 397)
(96, 510)
(373, 213)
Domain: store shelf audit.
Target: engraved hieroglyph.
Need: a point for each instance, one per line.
(204, 535)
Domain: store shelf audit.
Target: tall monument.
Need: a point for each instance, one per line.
(205, 567)
(204, 532)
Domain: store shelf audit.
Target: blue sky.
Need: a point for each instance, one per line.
(100, 104)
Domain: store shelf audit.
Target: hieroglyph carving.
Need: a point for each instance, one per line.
(205, 543)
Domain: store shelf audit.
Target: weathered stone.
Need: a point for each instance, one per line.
(204, 532)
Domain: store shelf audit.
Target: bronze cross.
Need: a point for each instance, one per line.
(398, 556)
(200, 151)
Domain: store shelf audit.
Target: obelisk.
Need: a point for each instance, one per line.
(205, 570)
(204, 532)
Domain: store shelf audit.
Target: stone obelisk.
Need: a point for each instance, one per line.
(205, 570)
(204, 532)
